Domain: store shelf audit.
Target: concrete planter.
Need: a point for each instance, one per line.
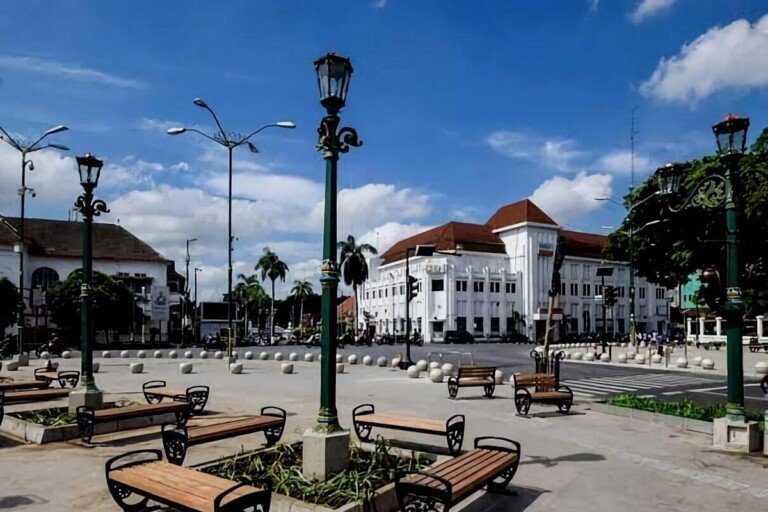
(436, 375)
(137, 367)
(368, 361)
(293, 356)
(352, 359)
(381, 361)
(702, 427)
(286, 368)
(236, 368)
(185, 368)
(39, 434)
(309, 357)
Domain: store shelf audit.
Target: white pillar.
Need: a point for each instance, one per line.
(718, 325)
(701, 325)
(759, 320)
(688, 327)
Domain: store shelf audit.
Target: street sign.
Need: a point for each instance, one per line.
(598, 299)
(160, 309)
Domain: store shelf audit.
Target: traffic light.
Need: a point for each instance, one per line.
(412, 290)
(609, 296)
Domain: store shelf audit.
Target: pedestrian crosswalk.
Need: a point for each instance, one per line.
(601, 387)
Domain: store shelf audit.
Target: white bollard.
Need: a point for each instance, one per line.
(433, 365)
(578, 355)
(264, 356)
(141, 354)
(413, 371)
(218, 354)
(656, 358)
(396, 362)
(367, 360)
(339, 368)
(707, 364)
(173, 354)
(589, 356)
(66, 354)
(681, 362)
(137, 367)
(45, 355)
(293, 356)
(106, 354)
(436, 375)
(381, 361)
(622, 358)
(203, 354)
(158, 354)
(96, 367)
(235, 368)
(422, 364)
(696, 361)
(498, 377)
(188, 354)
(604, 357)
(286, 368)
(125, 354)
(352, 359)
(248, 355)
(278, 356)
(185, 368)
(447, 369)
(308, 357)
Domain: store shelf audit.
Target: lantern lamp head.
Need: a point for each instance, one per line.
(731, 135)
(90, 169)
(669, 177)
(333, 75)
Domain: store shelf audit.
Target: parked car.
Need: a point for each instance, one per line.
(458, 337)
(515, 337)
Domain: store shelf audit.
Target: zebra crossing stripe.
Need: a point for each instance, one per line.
(605, 387)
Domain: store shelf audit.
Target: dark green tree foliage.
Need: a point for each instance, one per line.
(113, 303)
(9, 299)
(693, 239)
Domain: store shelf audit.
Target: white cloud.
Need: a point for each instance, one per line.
(593, 4)
(380, 4)
(649, 8)
(730, 57)
(156, 125)
(66, 71)
(567, 199)
(383, 237)
(620, 162)
(180, 166)
(556, 153)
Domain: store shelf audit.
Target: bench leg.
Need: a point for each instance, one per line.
(197, 396)
(121, 495)
(182, 417)
(453, 387)
(489, 389)
(252, 502)
(523, 401)
(419, 498)
(565, 406)
(500, 483)
(175, 445)
(273, 434)
(363, 431)
(85, 421)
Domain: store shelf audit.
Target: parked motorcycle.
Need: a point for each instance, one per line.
(54, 347)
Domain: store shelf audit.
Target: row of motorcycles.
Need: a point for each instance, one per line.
(216, 342)
(9, 347)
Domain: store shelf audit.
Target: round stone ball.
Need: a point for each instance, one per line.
(396, 362)
(413, 371)
(248, 355)
(339, 368)
(188, 354)
(423, 365)
(578, 355)
(381, 361)
(66, 354)
(45, 355)
(218, 354)
(696, 361)
(761, 368)
(308, 357)
(631, 354)
(498, 377)
(173, 354)
(203, 354)
(433, 365)
(293, 356)
(707, 364)
(106, 354)
(589, 356)
(604, 357)
(235, 368)
(264, 356)
(622, 358)
(286, 367)
(436, 375)
(96, 367)
(339, 358)
(681, 362)
(141, 354)
(447, 369)
(235, 355)
(367, 360)
(278, 356)
(158, 354)
(640, 359)
(567, 354)
(352, 359)
(125, 354)
(656, 358)
(137, 367)
(185, 368)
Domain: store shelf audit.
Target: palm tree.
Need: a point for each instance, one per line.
(354, 268)
(301, 290)
(249, 293)
(272, 267)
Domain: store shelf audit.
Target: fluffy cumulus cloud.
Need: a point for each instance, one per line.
(383, 237)
(566, 199)
(731, 57)
(620, 162)
(556, 153)
(648, 8)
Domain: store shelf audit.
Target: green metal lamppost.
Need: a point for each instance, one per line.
(25, 149)
(230, 141)
(715, 191)
(87, 394)
(333, 75)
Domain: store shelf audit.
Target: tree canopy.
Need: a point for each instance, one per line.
(668, 252)
(9, 300)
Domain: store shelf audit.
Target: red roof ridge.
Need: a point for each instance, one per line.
(518, 212)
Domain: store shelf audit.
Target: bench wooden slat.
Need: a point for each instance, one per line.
(166, 392)
(36, 395)
(204, 433)
(549, 395)
(491, 467)
(446, 469)
(132, 411)
(23, 384)
(402, 422)
(54, 375)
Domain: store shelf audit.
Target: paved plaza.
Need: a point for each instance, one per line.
(584, 460)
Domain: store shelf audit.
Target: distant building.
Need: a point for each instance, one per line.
(496, 277)
(52, 250)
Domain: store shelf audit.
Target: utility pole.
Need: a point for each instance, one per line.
(632, 327)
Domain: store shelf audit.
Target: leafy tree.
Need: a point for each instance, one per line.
(271, 266)
(113, 303)
(354, 267)
(9, 300)
(302, 289)
(250, 295)
(668, 252)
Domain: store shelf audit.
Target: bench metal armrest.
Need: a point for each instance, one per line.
(2, 405)
(152, 456)
(38, 371)
(153, 384)
(453, 380)
(272, 410)
(454, 421)
(69, 376)
(363, 409)
(481, 442)
(563, 387)
(261, 497)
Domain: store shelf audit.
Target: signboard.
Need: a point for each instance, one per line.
(160, 303)
(598, 299)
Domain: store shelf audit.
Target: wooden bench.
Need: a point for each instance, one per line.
(473, 376)
(197, 396)
(542, 388)
(15, 385)
(364, 418)
(177, 439)
(134, 483)
(36, 395)
(64, 377)
(492, 463)
(88, 417)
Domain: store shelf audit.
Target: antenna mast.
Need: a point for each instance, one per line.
(632, 133)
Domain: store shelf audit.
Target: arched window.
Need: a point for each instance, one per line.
(44, 277)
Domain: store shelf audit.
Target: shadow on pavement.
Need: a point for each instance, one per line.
(548, 462)
(8, 502)
(514, 499)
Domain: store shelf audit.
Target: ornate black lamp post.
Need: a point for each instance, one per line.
(230, 140)
(326, 447)
(715, 191)
(87, 393)
(25, 148)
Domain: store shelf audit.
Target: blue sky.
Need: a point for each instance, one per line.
(463, 107)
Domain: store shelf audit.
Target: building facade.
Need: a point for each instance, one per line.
(493, 279)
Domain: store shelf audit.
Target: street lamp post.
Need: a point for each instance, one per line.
(194, 323)
(185, 302)
(25, 149)
(229, 140)
(86, 393)
(326, 446)
(715, 191)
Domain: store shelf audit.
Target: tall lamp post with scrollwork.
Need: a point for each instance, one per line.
(326, 446)
(86, 393)
(716, 191)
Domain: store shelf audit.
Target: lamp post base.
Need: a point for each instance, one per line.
(325, 454)
(735, 435)
(86, 394)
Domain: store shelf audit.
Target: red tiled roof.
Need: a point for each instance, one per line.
(585, 245)
(449, 237)
(346, 308)
(517, 213)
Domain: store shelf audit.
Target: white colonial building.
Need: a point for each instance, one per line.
(495, 280)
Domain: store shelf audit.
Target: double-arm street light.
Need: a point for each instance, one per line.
(230, 141)
(715, 191)
(25, 149)
(87, 394)
(185, 313)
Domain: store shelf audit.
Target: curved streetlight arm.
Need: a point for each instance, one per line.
(10, 140)
(710, 192)
(271, 125)
(207, 136)
(216, 119)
